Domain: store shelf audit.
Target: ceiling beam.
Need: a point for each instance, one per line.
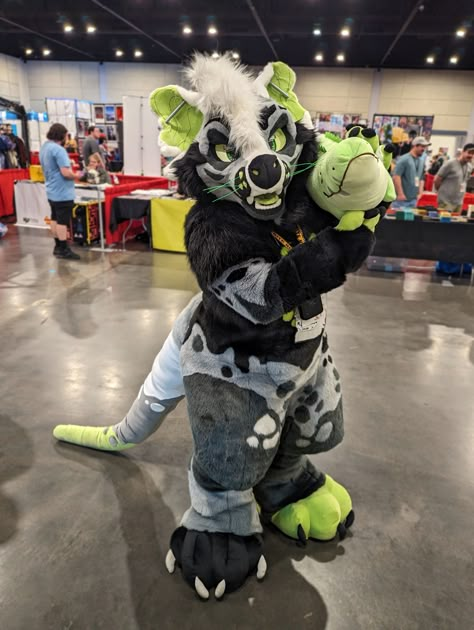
(135, 28)
(50, 39)
(261, 26)
(404, 27)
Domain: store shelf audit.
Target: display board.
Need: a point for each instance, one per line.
(140, 138)
(396, 127)
(109, 118)
(336, 123)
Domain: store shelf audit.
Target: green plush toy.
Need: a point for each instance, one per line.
(351, 177)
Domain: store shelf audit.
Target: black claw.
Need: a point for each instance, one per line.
(370, 214)
(350, 519)
(341, 530)
(301, 535)
(389, 148)
(354, 132)
(368, 133)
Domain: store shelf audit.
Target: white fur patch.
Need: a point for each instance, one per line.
(266, 425)
(271, 442)
(324, 432)
(226, 89)
(252, 441)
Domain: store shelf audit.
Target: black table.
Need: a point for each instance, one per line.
(425, 240)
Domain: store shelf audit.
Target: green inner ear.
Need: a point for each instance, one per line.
(285, 79)
(182, 129)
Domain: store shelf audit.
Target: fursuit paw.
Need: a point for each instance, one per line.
(321, 516)
(100, 438)
(215, 560)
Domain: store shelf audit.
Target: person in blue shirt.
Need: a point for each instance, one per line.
(409, 171)
(59, 178)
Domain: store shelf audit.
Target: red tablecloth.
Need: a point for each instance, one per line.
(431, 199)
(8, 178)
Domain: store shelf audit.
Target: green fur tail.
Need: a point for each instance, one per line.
(100, 438)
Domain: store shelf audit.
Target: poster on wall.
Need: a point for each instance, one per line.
(110, 113)
(82, 128)
(111, 133)
(119, 112)
(99, 114)
(336, 123)
(397, 128)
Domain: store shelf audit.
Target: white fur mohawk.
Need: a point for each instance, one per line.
(226, 89)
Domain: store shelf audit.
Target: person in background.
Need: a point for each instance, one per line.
(104, 150)
(451, 180)
(91, 144)
(408, 175)
(95, 172)
(6, 149)
(59, 178)
(406, 147)
(71, 144)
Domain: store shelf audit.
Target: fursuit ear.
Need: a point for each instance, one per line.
(179, 116)
(277, 81)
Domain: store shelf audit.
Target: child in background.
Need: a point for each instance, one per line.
(95, 172)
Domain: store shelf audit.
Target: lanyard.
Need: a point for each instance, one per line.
(284, 242)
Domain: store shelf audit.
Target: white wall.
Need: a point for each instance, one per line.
(14, 80)
(448, 94)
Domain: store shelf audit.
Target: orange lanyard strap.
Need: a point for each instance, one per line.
(284, 242)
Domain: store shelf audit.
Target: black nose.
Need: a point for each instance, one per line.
(265, 171)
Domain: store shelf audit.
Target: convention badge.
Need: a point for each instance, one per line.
(313, 326)
(463, 187)
(417, 181)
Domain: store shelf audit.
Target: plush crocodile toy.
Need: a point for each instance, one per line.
(351, 176)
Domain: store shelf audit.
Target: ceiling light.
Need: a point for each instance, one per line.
(430, 59)
(212, 30)
(461, 32)
(235, 55)
(138, 53)
(68, 28)
(341, 57)
(316, 31)
(215, 55)
(319, 57)
(91, 29)
(46, 52)
(119, 53)
(454, 59)
(28, 51)
(187, 30)
(345, 32)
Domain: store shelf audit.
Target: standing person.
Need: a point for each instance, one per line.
(71, 144)
(451, 180)
(408, 174)
(91, 143)
(59, 178)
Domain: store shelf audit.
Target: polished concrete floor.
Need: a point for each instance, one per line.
(83, 534)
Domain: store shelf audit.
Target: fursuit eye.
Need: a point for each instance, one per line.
(278, 141)
(225, 153)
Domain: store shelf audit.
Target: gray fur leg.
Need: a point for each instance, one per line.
(144, 418)
(232, 511)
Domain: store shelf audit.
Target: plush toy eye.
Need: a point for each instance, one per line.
(278, 141)
(225, 153)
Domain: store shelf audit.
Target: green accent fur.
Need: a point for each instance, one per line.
(319, 514)
(284, 78)
(349, 178)
(181, 130)
(100, 438)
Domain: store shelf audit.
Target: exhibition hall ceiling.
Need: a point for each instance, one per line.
(356, 33)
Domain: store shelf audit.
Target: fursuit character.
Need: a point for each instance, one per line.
(250, 352)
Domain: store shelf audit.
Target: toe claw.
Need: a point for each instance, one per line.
(342, 531)
(350, 519)
(261, 568)
(301, 535)
(170, 561)
(220, 589)
(201, 590)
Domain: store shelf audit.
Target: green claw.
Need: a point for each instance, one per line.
(100, 438)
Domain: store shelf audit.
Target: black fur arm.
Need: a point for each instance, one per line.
(262, 291)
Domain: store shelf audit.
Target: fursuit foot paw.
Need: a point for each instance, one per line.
(321, 516)
(215, 560)
(100, 438)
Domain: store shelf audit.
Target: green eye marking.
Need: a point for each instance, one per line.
(278, 141)
(225, 153)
